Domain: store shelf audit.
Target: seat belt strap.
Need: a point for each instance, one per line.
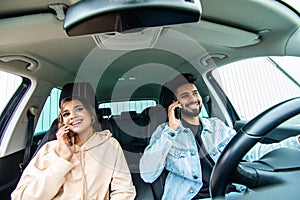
(30, 115)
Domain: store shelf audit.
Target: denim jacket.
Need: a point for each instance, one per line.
(176, 151)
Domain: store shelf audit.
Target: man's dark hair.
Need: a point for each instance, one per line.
(169, 88)
(180, 80)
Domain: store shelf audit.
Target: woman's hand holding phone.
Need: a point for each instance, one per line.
(69, 137)
(65, 139)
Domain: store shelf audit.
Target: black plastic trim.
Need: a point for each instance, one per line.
(12, 105)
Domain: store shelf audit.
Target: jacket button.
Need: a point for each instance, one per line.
(191, 190)
(195, 177)
(172, 134)
(193, 153)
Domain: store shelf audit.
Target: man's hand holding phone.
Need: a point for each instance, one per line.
(174, 113)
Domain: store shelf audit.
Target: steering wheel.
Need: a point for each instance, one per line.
(245, 139)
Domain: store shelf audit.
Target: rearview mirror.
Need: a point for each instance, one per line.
(102, 16)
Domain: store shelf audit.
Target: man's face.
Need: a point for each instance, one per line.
(190, 100)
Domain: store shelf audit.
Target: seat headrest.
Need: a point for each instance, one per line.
(145, 112)
(104, 112)
(128, 115)
(81, 90)
(166, 97)
(157, 110)
(158, 113)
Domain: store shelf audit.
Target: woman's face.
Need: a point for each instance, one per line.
(75, 115)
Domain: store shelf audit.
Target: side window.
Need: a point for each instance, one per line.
(49, 112)
(254, 85)
(12, 90)
(9, 84)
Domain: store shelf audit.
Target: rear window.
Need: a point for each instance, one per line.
(125, 106)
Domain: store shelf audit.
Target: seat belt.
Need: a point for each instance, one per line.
(31, 113)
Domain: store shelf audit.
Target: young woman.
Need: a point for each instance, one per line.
(81, 164)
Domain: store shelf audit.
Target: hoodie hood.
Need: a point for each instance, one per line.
(97, 139)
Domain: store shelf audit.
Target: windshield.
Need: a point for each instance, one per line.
(294, 4)
(290, 65)
(255, 85)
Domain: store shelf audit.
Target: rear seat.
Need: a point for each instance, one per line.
(154, 115)
(133, 131)
(104, 115)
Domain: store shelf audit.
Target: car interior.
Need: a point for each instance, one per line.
(127, 51)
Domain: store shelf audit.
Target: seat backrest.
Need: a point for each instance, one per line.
(154, 115)
(49, 136)
(129, 129)
(104, 115)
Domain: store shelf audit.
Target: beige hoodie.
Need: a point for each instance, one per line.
(98, 170)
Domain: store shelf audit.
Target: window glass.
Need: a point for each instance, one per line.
(138, 106)
(255, 85)
(290, 66)
(49, 112)
(9, 84)
(124, 106)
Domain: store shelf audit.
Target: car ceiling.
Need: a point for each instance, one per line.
(227, 32)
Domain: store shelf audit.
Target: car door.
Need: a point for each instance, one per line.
(12, 90)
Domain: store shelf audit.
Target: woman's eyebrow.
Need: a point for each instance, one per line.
(65, 110)
(77, 106)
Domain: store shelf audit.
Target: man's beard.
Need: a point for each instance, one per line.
(193, 113)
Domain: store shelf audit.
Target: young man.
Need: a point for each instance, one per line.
(189, 147)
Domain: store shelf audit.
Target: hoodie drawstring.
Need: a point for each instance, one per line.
(84, 183)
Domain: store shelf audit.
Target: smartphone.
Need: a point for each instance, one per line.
(69, 138)
(177, 113)
(69, 135)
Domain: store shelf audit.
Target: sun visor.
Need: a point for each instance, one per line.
(293, 45)
(94, 16)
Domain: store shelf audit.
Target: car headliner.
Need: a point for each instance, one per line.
(228, 31)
